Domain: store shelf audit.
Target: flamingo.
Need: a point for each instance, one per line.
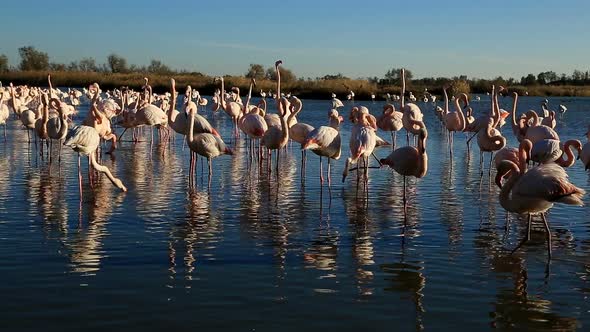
(149, 114)
(99, 120)
(536, 132)
(204, 144)
(251, 122)
(231, 108)
(85, 140)
(585, 154)
(409, 160)
(57, 127)
(562, 110)
(454, 121)
(549, 121)
(275, 138)
(390, 120)
(362, 143)
(335, 119)
(325, 142)
(550, 150)
(4, 112)
(518, 155)
(336, 103)
(411, 112)
(299, 132)
(535, 192)
(490, 139)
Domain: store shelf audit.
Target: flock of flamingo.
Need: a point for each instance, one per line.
(46, 114)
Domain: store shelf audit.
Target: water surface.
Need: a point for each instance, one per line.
(259, 252)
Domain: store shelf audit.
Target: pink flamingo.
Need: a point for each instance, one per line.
(362, 143)
(276, 138)
(231, 108)
(204, 144)
(535, 192)
(454, 121)
(325, 142)
(98, 120)
(409, 160)
(85, 140)
(390, 120)
(550, 150)
(585, 154)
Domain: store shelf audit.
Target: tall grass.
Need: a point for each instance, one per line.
(320, 89)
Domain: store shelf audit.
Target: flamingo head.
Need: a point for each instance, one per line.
(505, 168)
(278, 63)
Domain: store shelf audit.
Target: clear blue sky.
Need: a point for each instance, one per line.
(314, 38)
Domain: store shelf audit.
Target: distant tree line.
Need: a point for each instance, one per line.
(32, 59)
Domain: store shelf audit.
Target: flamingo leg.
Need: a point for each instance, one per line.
(79, 177)
(321, 172)
(329, 171)
(393, 136)
(490, 168)
(210, 172)
(548, 230)
(527, 237)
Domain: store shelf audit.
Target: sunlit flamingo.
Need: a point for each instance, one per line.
(85, 140)
(390, 120)
(4, 112)
(362, 143)
(204, 144)
(535, 192)
(57, 127)
(519, 156)
(99, 120)
(275, 137)
(454, 121)
(335, 119)
(325, 142)
(231, 108)
(489, 139)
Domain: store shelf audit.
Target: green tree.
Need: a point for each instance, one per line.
(286, 74)
(3, 63)
(157, 67)
(255, 71)
(530, 79)
(87, 64)
(57, 66)
(32, 59)
(394, 75)
(117, 64)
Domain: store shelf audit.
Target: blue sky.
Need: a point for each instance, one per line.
(314, 38)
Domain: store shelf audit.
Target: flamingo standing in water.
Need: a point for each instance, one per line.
(409, 160)
(276, 138)
(85, 140)
(454, 121)
(99, 120)
(362, 143)
(390, 120)
(204, 144)
(535, 192)
(251, 122)
(585, 154)
(4, 112)
(231, 108)
(325, 142)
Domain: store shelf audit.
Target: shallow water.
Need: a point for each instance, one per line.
(260, 252)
